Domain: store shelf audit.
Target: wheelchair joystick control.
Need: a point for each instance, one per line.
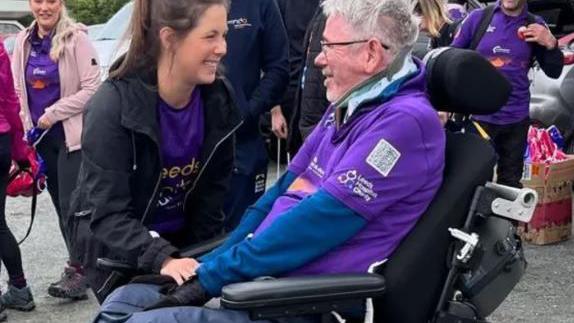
(470, 242)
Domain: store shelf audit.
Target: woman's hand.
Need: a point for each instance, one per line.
(179, 269)
(44, 123)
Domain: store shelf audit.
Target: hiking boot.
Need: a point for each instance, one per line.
(3, 315)
(18, 298)
(72, 285)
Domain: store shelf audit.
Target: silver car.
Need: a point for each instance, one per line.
(552, 100)
(111, 41)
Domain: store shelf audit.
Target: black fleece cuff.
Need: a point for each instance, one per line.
(157, 252)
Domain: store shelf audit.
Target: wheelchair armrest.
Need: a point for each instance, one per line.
(115, 265)
(199, 249)
(294, 296)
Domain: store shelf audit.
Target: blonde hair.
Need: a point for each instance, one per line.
(63, 30)
(435, 15)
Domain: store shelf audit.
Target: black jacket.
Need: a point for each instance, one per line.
(297, 15)
(120, 174)
(310, 98)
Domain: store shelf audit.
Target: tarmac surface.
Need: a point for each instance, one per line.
(545, 294)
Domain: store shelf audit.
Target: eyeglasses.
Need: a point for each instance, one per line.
(325, 46)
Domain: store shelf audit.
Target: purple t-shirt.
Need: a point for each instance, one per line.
(386, 165)
(508, 53)
(42, 80)
(182, 132)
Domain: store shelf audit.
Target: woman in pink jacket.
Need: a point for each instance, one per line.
(55, 72)
(12, 147)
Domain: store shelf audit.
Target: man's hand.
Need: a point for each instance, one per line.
(537, 33)
(179, 269)
(278, 123)
(443, 116)
(43, 122)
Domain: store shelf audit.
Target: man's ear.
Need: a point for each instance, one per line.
(376, 57)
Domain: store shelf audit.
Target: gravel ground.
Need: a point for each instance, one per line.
(545, 294)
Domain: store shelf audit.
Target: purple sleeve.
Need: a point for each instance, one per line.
(387, 163)
(463, 36)
(303, 156)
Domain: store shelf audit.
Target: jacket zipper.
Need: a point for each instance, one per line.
(207, 163)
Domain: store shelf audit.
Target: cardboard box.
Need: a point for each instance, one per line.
(552, 220)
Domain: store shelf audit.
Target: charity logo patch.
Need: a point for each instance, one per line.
(383, 157)
(500, 50)
(358, 184)
(239, 23)
(260, 180)
(330, 121)
(315, 168)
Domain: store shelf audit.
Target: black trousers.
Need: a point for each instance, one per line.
(62, 169)
(9, 249)
(510, 144)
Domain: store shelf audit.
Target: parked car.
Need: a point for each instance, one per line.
(9, 43)
(9, 28)
(110, 42)
(94, 31)
(552, 100)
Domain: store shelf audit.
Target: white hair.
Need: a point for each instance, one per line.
(390, 21)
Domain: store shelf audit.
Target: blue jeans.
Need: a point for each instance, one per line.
(126, 304)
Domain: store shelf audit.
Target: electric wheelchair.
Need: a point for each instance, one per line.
(462, 258)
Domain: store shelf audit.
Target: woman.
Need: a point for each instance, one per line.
(157, 145)
(12, 146)
(56, 72)
(435, 22)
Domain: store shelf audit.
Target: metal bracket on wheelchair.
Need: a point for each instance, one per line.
(470, 242)
(513, 203)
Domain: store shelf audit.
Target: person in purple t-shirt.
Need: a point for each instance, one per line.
(355, 189)
(510, 43)
(157, 145)
(56, 72)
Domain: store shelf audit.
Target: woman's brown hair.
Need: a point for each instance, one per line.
(148, 17)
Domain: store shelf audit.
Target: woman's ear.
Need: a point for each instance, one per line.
(167, 38)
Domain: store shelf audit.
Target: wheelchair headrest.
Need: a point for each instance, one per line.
(462, 81)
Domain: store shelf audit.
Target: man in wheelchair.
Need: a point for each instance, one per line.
(355, 189)
(359, 192)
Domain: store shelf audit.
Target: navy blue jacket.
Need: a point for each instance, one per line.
(257, 65)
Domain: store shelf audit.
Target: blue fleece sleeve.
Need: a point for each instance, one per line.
(313, 227)
(254, 215)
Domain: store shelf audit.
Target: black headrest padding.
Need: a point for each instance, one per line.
(462, 81)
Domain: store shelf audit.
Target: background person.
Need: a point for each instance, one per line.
(56, 71)
(12, 147)
(157, 144)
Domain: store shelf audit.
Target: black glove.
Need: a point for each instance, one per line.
(167, 283)
(191, 293)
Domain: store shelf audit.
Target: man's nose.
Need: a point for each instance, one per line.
(321, 59)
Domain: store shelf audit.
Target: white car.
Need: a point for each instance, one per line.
(111, 42)
(9, 27)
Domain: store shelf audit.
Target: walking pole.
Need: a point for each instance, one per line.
(278, 159)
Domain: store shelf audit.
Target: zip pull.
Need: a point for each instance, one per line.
(135, 165)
